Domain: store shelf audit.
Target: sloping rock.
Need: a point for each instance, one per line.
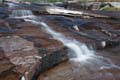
(18, 58)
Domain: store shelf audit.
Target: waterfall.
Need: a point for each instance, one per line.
(80, 50)
(21, 14)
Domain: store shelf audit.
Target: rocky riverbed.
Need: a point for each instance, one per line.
(38, 46)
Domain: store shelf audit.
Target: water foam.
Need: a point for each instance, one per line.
(80, 50)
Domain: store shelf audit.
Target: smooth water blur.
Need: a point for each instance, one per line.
(81, 51)
(84, 61)
(21, 14)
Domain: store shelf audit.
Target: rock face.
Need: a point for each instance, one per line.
(27, 51)
(18, 58)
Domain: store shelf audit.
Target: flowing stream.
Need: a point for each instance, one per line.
(81, 52)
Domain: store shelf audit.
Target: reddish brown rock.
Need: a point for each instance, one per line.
(18, 58)
(5, 64)
(14, 46)
(40, 38)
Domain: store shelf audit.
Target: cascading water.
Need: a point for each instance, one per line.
(22, 78)
(81, 50)
(21, 14)
(11, 5)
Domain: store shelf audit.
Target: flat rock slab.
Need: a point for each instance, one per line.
(18, 58)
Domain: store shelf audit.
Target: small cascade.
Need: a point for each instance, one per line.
(21, 14)
(80, 50)
(84, 59)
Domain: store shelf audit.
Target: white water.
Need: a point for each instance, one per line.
(21, 14)
(80, 50)
(22, 78)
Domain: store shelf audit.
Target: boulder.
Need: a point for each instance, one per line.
(18, 58)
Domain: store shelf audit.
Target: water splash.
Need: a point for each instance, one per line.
(23, 78)
(82, 52)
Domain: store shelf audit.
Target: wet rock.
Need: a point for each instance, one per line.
(102, 32)
(112, 14)
(19, 58)
(5, 64)
(92, 70)
(50, 60)
(4, 12)
(5, 28)
(52, 52)
(14, 22)
(3, 23)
